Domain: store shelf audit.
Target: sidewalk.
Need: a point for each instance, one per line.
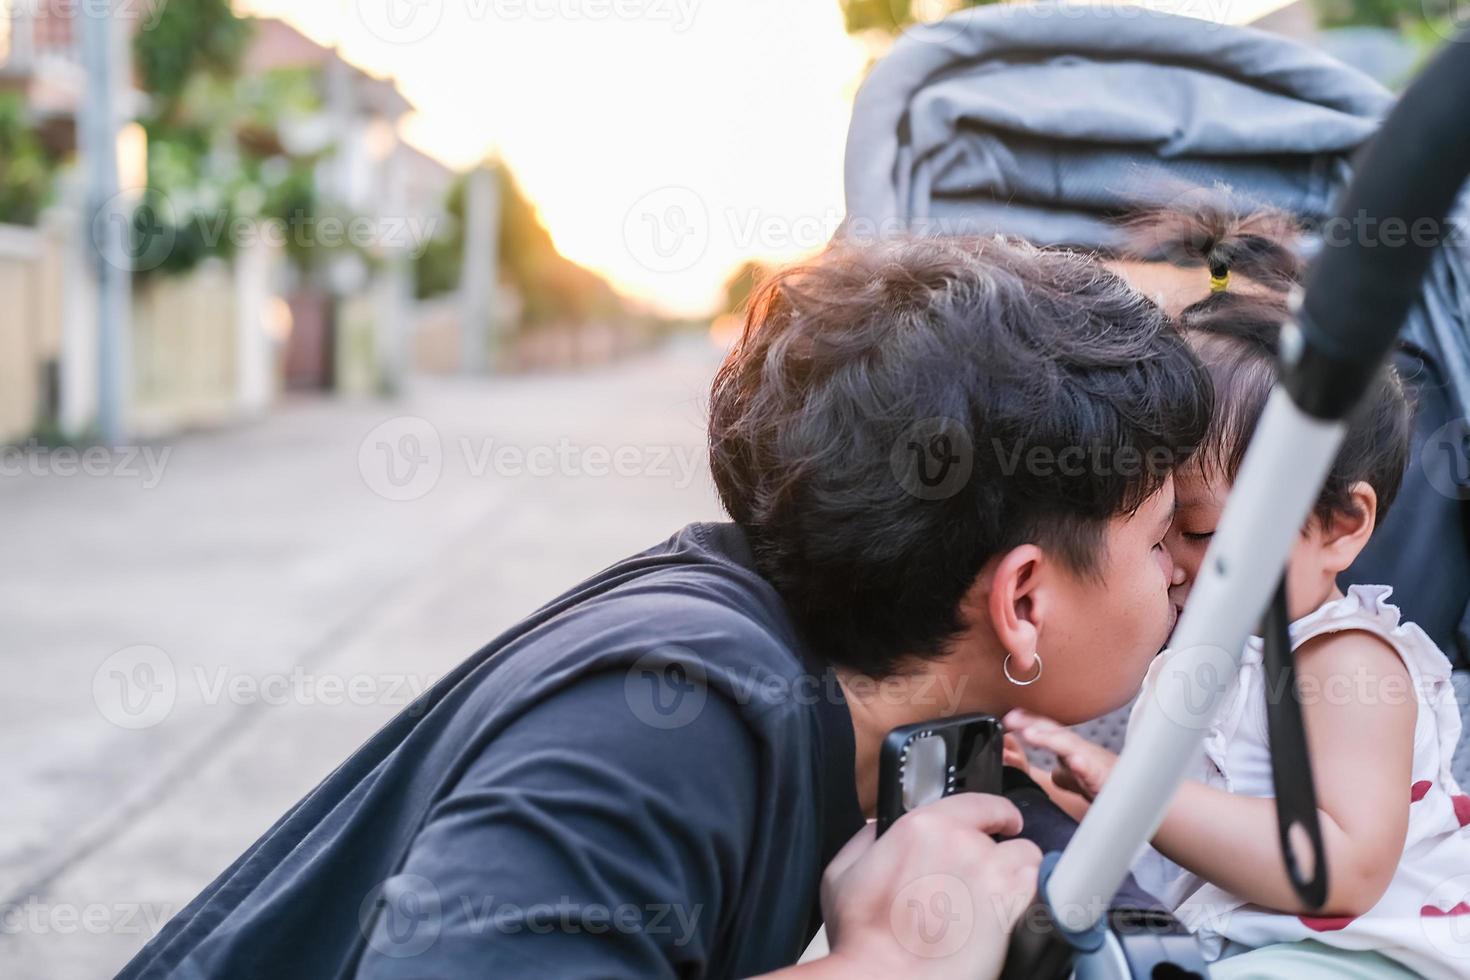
(191, 647)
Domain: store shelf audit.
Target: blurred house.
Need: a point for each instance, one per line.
(331, 310)
(47, 332)
(39, 59)
(351, 315)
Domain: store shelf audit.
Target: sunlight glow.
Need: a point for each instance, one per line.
(663, 141)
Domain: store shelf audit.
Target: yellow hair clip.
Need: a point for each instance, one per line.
(1219, 279)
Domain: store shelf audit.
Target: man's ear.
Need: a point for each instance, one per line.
(1345, 536)
(1016, 605)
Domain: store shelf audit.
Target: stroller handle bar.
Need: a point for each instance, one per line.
(1359, 292)
(1369, 273)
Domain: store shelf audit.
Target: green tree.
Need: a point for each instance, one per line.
(741, 284)
(190, 38)
(892, 16)
(552, 287)
(25, 167)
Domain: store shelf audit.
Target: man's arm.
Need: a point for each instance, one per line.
(581, 843)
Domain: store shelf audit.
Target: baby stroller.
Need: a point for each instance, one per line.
(1045, 122)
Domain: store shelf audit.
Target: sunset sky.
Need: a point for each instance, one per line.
(662, 140)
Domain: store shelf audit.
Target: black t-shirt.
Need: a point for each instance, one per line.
(645, 778)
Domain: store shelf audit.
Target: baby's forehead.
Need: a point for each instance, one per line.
(1200, 479)
(1197, 485)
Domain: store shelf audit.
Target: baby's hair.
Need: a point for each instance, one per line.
(1259, 243)
(1236, 333)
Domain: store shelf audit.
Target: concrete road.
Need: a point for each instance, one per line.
(195, 634)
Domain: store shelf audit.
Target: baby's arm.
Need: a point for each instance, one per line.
(1359, 707)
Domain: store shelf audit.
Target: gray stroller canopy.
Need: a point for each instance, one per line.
(1044, 120)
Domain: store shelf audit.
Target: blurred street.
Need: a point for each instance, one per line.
(195, 637)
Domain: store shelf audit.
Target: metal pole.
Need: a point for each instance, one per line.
(1279, 480)
(109, 215)
(478, 274)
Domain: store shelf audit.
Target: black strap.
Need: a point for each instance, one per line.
(1291, 764)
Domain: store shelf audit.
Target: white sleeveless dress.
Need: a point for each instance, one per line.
(1423, 919)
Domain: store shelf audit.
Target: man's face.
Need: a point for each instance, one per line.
(1103, 631)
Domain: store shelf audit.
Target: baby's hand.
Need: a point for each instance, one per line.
(1081, 766)
(1014, 754)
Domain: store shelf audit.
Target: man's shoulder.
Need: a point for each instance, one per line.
(698, 588)
(689, 614)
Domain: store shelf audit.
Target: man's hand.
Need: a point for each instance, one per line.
(935, 897)
(1082, 767)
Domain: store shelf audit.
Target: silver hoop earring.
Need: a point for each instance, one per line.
(1006, 669)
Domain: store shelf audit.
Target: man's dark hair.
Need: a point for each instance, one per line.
(896, 415)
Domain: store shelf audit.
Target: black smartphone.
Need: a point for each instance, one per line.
(922, 763)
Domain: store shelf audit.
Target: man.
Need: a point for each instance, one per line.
(948, 466)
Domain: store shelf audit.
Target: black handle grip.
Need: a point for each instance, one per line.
(1291, 765)
(1378, 247)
